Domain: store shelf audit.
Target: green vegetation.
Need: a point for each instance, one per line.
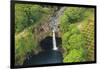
(74, 14)
(75, 56)
(27, 16)
(73, 41)
(77, 34)
(76, 27)
(88, 31)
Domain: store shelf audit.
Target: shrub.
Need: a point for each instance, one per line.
(74, 14)
(26, 15)
(73, 41)
(71, 16)
(75, 56)
(24, 43)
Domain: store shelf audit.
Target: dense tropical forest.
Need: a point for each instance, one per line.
(76, 29)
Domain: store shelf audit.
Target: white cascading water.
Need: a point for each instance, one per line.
(54, 41)
(54, 22)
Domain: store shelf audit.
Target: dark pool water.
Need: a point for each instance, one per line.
(48, 55)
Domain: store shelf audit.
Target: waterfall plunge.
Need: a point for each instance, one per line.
(54, 41)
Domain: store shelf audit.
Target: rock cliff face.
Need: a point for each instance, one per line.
(44, 28)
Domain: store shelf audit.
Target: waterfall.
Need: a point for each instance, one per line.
(54, 41)
(54, 23)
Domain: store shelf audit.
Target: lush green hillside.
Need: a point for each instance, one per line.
(26, 18)
(78, 34)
